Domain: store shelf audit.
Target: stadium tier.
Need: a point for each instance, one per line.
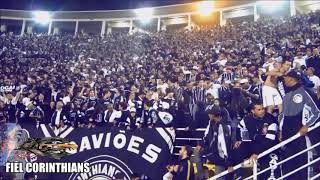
(203, 90)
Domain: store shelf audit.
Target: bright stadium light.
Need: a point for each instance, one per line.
(41, 17)
(272, 6)
(205, 8)
(144, 14)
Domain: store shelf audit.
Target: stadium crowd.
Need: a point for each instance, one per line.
(171, 79)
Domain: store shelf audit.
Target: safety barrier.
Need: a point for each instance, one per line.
(272, 149)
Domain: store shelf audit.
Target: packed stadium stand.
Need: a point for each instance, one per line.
(231, 83)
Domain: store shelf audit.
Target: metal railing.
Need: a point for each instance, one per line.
(187, 138)
(255, 166)
(298, 169)
(285, 160)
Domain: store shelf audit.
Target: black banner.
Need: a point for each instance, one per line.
(111, 152)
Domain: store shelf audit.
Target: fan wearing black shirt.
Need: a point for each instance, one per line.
(78, 99)
(121, 122)
(132, 119)
(120, 97)
(184, 169)
(173, 105)
(256, 133)
(45, 106)
(150, 115)
(106, 99)
(99, 114)
(3, 113)
(58, 119)
(37, 115)
(73, 115)
(225, 93)
(83, 119)
(250, 91)
(314, 61)
(140, 103)
(11, 106)
(92, 102)
(24, 114)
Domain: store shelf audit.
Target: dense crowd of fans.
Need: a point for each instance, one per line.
(171, 79)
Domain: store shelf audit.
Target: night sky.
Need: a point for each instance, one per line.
(83, 5)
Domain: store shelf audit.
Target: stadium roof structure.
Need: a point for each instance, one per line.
(167, 15)
(162, 11)
(86, 5)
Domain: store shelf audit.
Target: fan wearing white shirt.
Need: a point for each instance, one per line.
(213, 90)
(110, 115)
(163, 86)
(222, 61)
(67, 98)
(11, 101)
(315, 79)
(299, 61)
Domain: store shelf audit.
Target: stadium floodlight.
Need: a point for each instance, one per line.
(205, 8)
(42, 17)
(144, 14)
(272, 6)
